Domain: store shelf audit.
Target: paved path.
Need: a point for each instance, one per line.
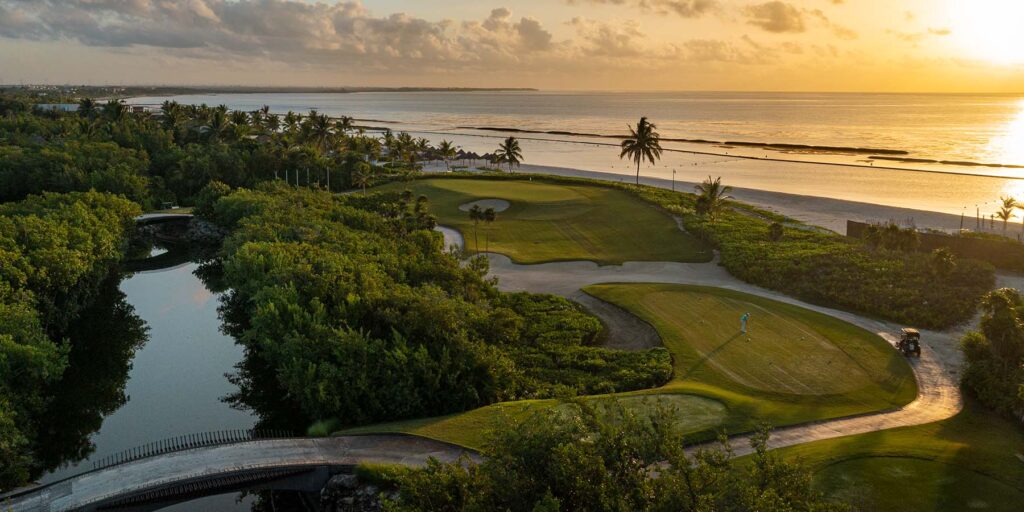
(937, 370)
(154, 472)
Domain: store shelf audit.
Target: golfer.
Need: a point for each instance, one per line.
(743, 322)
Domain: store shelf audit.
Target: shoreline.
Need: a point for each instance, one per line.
(739, 156)
(825, 212)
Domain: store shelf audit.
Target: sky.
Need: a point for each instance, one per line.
(777, 45)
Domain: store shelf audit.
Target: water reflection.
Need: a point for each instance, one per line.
(1008, 147)
(103, 342)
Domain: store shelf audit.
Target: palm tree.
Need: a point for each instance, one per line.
(446, 150)
(1006, 209)
(114, 110)
(476, 215)
(711, 196)
(343, 125)
(489, 216)
(508, 151)
(403, 144)
(291, 121)
(319, 130)
(272, 123)
(362, 176)
(87, 108)
(643, 144)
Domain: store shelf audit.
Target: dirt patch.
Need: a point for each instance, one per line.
(622, 330)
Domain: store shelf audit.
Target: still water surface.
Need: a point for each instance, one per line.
(177, 378)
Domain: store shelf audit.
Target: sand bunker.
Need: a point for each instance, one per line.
(499, 205)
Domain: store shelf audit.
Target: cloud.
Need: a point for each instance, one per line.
(916, 37)
(291, 31)
(776, 17)
(683, 8)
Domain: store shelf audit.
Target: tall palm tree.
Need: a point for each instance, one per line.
(643, 144)
(509, 151)
(1006, 209)
(87, 108)
(114, 110)
(291, 121)
(319, 130)
(489, 216)
(476, 215)
(403, 145)
(446, 150)
(343, 125)
(711, 196)
(272, 123)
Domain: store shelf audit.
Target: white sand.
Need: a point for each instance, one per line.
(499, 205)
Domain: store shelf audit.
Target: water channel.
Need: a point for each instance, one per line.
(129, 386)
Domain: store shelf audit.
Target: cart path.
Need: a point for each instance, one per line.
(937, 371)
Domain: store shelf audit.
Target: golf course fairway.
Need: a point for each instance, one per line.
(795, 366)
(546, 222)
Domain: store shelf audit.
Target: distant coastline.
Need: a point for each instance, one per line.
(163, 90)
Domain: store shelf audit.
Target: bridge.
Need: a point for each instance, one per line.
(153, 482)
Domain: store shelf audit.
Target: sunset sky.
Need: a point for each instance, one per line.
(803, 45)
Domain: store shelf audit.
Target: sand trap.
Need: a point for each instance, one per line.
(499, 205)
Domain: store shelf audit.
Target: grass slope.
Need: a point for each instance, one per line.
(798, 366)
(967, 462)
(560, 222)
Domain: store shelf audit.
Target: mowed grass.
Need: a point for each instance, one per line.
(692, 414)
(968, 462)
(788, 350)
(556, 222)
(797, 366)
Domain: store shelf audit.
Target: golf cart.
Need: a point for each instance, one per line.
(910, 342)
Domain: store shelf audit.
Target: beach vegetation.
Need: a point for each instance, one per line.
(711, 197)
(643, 143)
(509, 153)
(446, 151)
(1007, 205)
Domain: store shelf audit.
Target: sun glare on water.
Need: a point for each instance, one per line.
(989, 29)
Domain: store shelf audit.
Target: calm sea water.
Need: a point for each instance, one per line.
(974, 128)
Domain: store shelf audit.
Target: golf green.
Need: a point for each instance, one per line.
(556, 222)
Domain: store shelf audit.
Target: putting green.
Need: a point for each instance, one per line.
(557, 222)
(786, 349)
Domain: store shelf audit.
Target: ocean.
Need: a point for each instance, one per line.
(937, 152)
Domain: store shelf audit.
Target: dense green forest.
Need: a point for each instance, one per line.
(338, 294)
(56, 251)
(170, 156)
